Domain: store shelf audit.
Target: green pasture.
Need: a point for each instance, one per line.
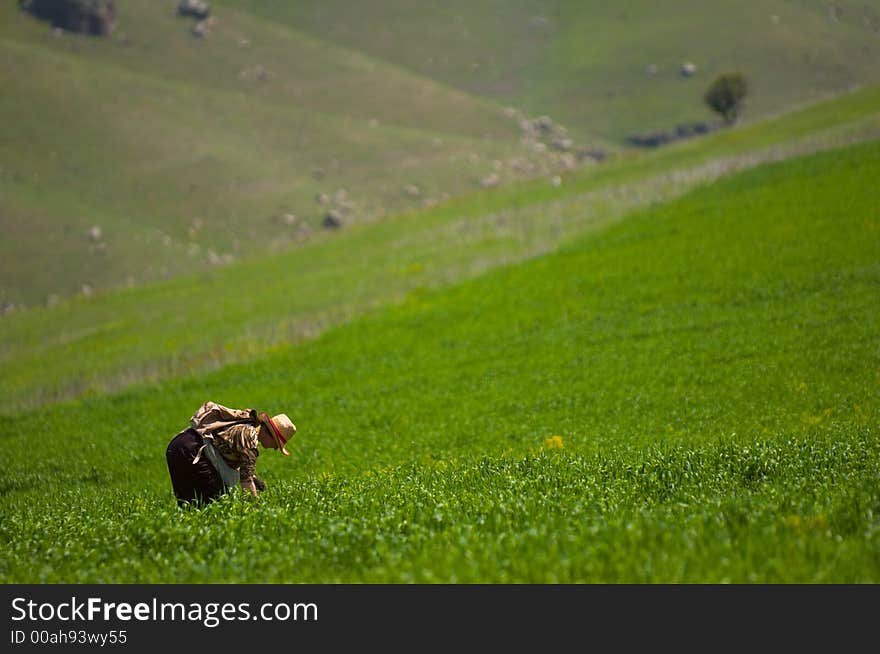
(687, 395)
(205, 319)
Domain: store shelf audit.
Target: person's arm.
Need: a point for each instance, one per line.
(247, 471)
(243, 439)
(248, 485)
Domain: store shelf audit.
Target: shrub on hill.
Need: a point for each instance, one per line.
(96, 17)
(726, 94)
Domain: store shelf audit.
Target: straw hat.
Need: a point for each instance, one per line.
(281, 427)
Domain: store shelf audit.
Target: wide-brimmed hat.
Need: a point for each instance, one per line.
(281, 427)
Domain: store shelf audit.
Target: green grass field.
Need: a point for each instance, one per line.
(686, 395)
(661, 368)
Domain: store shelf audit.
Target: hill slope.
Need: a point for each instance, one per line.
(106, 342)
(687, 396)
(190, 152)
(586, 62)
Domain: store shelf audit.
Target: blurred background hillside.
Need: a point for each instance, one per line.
(168, 143)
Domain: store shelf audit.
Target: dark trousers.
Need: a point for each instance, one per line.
(193, 484)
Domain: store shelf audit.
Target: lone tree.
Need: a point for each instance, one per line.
(725, 95)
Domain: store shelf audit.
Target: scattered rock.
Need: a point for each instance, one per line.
(200, 29)
(412, 191)
(332, 220)
(93, 17)
(87, 290)
(556, 180)
(195, 8)
(688, 69)
(95, 233)
(490, 181)
(563, 144)
(289, 219)
(322, 198)
(551, 142)
(544, 123)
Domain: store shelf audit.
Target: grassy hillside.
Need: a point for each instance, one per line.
(586, 62)
(104, 343)
(191, 152)
(690, 395)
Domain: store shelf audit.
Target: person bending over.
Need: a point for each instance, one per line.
(219, 450)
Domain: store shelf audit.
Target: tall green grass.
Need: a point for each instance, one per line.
(797, 511)
(688, 396)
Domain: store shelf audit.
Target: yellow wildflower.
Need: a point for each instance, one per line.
(553, 443)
